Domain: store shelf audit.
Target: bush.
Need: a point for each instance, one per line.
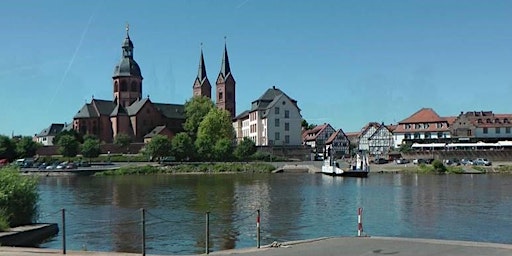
(18, 197)
(438, 166)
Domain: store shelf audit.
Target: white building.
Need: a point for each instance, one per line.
(274, 119)
(47, 135)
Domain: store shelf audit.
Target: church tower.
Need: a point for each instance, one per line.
(127, 76)
(226, 86)
(202, 86)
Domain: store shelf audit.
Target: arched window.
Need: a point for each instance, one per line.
(133, 86)
(124, 86)
(116, 86)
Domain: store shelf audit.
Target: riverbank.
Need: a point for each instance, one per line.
(327, 246)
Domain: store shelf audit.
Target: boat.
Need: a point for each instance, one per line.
(359, 168)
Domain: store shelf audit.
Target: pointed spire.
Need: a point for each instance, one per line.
(201, 72)
(224, 68)
(127, 44)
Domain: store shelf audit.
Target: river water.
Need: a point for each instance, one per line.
(104, 213)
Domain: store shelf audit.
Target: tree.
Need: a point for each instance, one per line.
(123, 140)
(306, 125)
(158, 147)
(195, 111)
(245, 148)
(182, 146)
(405, 148)
(223, 150)
(91, 147)
(7, 148)
(215, 126)
(26, 147)
(73, 133)
(68, 146)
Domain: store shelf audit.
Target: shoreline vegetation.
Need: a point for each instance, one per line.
(198, 168)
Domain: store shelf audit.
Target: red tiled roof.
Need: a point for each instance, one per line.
(333, 136)
(312, 134)
(424, 115)
(493, 118)
(391, 127)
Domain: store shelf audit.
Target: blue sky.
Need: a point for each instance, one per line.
(345, 62)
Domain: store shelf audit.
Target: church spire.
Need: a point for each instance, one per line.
(225, 70)
(201, 73)
(128, 44)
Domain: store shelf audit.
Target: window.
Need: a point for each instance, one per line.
(286, 126)
(407, 136)
(277, 136)
(505, 120)
(440, 135)
(276, 111)
(507, 129)
(277, 122)
(287, 139)
(416, 135)
(439, 125)
(469, 133)
(428, 135)
(407, 126)
(221, 95)
(498, 130)
(287, 114)
(480, 120)
(417, 126)
(488, 121)
(485, 130)
(116, 86)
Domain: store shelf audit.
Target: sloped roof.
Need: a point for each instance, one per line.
(96, 108)
(135, 107)
(157, 130)
(312, 134)
(174, 111)
(368, 126)
(334, 135)
(424, 115)
(242, 115)
(379, 129)
(265, 100)
(119, 111)
(52, 130)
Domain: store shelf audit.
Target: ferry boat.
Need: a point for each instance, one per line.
(359, 168)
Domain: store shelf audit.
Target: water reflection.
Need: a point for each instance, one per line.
(104, 212)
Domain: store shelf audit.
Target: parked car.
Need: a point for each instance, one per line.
(418, 161)
(464, 161)
(42, 166)
(71, 166)
(380, 161)
(482, 161)
(402, 161)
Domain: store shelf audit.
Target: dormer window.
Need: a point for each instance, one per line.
(439, 125)
(497, 120)
(505, 121)
(488, 121)
(480, 120)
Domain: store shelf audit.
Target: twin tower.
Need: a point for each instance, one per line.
(225, 96)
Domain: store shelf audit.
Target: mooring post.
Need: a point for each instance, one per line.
(359, 221)
(143, 231)
(63, 231)
(258, 229)
(207, 244)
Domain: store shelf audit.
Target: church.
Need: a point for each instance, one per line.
(140, 118)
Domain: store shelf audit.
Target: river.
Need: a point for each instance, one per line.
(104, 213)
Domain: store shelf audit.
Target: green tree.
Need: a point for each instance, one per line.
(73, 133)
(182, 146)
(7, 148)
(123, 140)
(306, 125)
(245, 148)
(26, 147)
(405, 148)
(18, 197)
(90, 148)
(223, 150)
(195, 111)
(215, 126)
(158, 147)
(439, 166)
(68, 146)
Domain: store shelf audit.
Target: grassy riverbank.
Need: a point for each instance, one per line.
(257, 167)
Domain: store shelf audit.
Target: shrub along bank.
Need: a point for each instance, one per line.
(192, 168)
(18, 198)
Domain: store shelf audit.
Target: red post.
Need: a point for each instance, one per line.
(359, 221)
(258, 229)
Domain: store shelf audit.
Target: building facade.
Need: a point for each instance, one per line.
(273, 120)
(474, 126)
(424, 126)
(128, 112)
(338, 144)
(318, 137)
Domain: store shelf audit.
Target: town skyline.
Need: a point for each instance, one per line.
(346, 64)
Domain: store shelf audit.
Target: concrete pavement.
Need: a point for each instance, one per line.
(337, 246)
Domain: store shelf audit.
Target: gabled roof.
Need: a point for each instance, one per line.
(424, 115)
(119, 111)
(264, 102)
(96, 108)
(312, 134)
(382, 127)
(334, 135)
(242, 115)
(52, 130)
(368, 126)
(157, 130)
(173, 111)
